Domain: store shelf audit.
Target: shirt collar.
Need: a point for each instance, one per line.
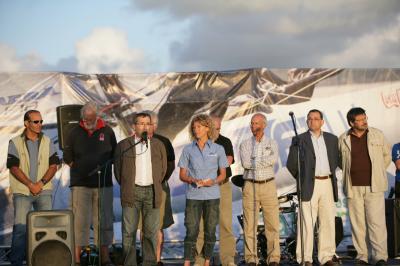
(350, 132)
(208, 143)
(262, 139)
(100, 124)
(315, 136)
(23, 135)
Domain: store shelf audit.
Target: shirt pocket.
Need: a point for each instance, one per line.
(211, 160)
(377, 145)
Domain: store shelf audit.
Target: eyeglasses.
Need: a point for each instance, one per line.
(36, 121)
(361, 119)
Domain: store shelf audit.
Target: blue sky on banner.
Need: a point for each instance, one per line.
(94, 36)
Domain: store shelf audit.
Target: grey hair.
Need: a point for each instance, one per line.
(89, 106)
(153, 115)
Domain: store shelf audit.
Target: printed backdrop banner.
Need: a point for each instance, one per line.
(176, 97)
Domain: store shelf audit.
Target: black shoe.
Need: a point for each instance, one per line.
(160, 263)
(381, 263)
(361, 262)
(251, 264)
(274, 263)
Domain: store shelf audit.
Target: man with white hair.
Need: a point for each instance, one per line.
(90, 144)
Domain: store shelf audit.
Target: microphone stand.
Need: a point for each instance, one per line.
(298, 179)
(98, 170)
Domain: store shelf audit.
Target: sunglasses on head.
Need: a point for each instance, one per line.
(36, 121)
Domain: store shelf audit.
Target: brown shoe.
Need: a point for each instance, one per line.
(273, 264)
(307, 263)
(361, 262)
(331, 263)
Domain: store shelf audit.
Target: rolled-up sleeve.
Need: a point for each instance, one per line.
(245, 155)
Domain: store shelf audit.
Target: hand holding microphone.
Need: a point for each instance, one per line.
(145, 139)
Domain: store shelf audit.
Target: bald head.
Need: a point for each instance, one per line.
(258, 124)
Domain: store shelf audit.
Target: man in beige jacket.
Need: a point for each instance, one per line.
(365, 155)
(32, 160)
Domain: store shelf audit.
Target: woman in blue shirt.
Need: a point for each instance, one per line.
(202, 167)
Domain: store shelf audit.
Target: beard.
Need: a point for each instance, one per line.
(91, 126)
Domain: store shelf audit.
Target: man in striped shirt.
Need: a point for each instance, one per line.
(258, 155)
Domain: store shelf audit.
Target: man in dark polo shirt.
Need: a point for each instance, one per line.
(365, 155)
(227, 243)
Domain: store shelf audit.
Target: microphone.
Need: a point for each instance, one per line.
(292, 117)
(145, 139)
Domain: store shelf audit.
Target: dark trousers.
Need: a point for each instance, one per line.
(195, 209)
(397, 190)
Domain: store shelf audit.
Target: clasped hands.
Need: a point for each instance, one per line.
(36, 188)
(208, 182)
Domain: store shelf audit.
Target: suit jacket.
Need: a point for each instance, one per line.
(125, 169)
(307, 162)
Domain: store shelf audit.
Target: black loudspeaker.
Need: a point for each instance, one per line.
(392, 209)
(50, 238)
(68, 116)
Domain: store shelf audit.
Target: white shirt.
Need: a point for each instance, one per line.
(144, 175)
(321, 155)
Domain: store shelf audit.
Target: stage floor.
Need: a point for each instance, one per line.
(345, 261)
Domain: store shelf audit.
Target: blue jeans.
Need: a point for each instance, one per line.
(209, 209)
(144, 203)
(22, 205)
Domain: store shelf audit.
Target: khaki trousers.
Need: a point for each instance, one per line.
(254, 196)
(368, 222)
(321, 206)
(227, 243)
(85, 209)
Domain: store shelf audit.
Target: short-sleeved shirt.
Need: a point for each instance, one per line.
(203, 164)
(395, 157)
(33, 150)
(227, 144)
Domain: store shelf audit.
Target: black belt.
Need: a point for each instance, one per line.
(321, 177)
(148, 186)
(260, 181)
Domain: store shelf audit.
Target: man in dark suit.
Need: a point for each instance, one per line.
(319, 157)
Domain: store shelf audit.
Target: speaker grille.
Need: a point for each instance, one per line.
(50, 253)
